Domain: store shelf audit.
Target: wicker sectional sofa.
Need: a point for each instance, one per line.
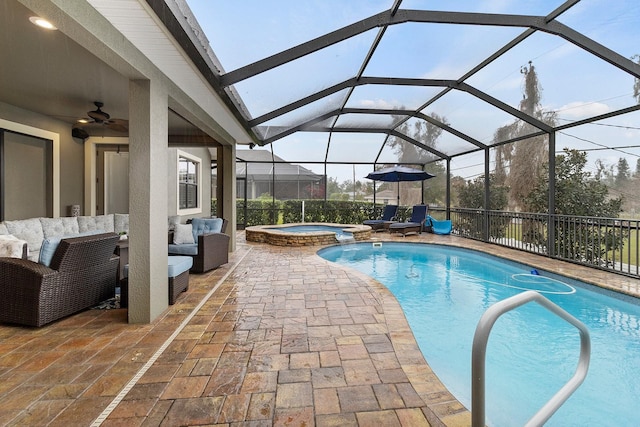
(69, 265)
(82, 272)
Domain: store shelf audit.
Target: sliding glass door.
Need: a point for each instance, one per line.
(26, 171)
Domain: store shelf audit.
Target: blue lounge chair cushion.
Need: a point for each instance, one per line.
(387, 215)
(417, 220)
(419, 214)
(176, 265)
(404, 225)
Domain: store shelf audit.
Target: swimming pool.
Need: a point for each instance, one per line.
(531, 353)
(310, 228)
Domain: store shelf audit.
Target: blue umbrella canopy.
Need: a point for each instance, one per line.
(399, 173)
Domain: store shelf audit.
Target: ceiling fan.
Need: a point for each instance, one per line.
(101, 119)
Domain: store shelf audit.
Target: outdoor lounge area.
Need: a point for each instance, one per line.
(275, 337)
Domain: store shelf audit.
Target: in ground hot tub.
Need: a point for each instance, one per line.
(307, 234)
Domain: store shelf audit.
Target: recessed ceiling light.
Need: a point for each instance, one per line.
(40, 22)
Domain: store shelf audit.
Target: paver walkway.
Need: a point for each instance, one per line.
(289, 339)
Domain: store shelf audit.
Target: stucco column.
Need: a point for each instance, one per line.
(228, 167)
(148, 151)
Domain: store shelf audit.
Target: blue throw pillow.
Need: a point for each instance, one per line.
(50, 245)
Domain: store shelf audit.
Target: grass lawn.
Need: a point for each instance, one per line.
(629, 252)
(630, 249)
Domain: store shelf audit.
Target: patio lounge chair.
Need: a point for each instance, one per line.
(387, 216)
(209, 247)
(438, 226)
(415, 223)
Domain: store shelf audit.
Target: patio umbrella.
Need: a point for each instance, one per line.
(399, 173)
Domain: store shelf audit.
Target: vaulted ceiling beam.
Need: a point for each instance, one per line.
(405, 82)
(386, 18)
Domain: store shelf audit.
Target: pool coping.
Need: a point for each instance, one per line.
(273, 235)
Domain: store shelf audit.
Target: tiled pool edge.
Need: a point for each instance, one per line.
(271, 235)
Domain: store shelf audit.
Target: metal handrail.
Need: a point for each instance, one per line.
(479, 350)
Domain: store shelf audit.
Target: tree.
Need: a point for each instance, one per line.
(578, 194)
(315, 191)
(623, 172)
(457, 183)
(408, 153)
(333, 187)
(518, 164)
(620, 181)
(471, 195)
(604, 173)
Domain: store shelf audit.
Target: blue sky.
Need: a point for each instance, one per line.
(575, 83)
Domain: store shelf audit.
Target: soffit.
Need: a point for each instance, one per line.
(139, 24)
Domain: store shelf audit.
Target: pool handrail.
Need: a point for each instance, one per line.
(479, 350)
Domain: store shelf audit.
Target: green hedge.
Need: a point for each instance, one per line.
(265, 212)
(334, 211)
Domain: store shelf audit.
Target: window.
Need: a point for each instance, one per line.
(188, 182)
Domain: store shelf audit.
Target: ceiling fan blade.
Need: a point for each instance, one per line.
(118, 127)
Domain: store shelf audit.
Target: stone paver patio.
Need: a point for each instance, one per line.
(276, 337)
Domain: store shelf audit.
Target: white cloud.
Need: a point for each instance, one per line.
(378, 104)
(508, 84)
(446, 70)
(580, 110)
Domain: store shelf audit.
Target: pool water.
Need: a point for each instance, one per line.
(531, 352)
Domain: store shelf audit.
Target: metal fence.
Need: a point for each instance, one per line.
(609, 244)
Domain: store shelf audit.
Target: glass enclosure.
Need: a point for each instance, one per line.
(515, 107)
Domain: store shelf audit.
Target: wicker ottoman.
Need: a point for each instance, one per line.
(178, 273)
